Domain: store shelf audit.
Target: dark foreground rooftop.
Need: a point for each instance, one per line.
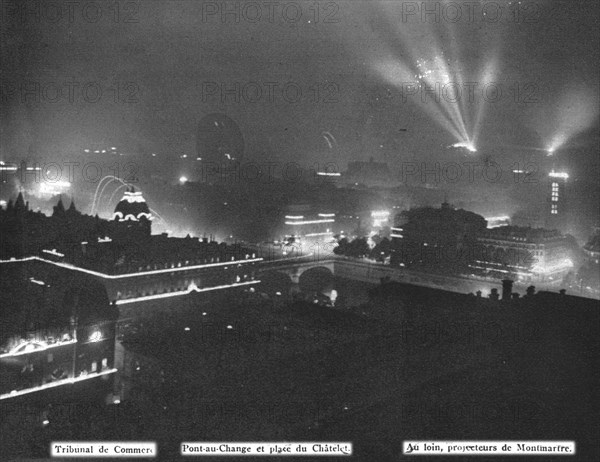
(412, 363)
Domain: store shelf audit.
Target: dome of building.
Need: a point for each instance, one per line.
(132, 207)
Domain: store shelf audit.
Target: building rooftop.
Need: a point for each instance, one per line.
(35, 295)
(519, 233)
(445, 213)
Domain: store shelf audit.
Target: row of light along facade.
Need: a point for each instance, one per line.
(302, 225)
(62, 344)
(529, 255)
(57, 358)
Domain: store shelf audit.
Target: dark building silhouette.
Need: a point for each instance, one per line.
(437, 239)
(25, 232)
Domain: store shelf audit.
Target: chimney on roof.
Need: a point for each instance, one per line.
(507, 285)
(494, 294)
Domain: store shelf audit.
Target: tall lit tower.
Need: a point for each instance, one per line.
(556, 208)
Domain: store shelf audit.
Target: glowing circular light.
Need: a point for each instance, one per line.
(187, 329)
(183, 179)
(230, 327)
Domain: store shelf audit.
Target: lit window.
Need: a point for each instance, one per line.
(94, 366)
(104, 363)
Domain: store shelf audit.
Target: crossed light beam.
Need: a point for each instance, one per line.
(414, 61)
(576, 112)
(103, 184)
(98, 193)
(425, 74)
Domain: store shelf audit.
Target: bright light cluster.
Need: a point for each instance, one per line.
(563, 175)
(58, 383)
(465, 144)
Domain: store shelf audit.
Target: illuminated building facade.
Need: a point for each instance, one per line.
(58, 330)
(495, 222)
(137, 266)
(380, 219)
(556, 208)
(160, 267)
(303, 225)
(528, 255)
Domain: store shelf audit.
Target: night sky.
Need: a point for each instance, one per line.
(359, 60)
